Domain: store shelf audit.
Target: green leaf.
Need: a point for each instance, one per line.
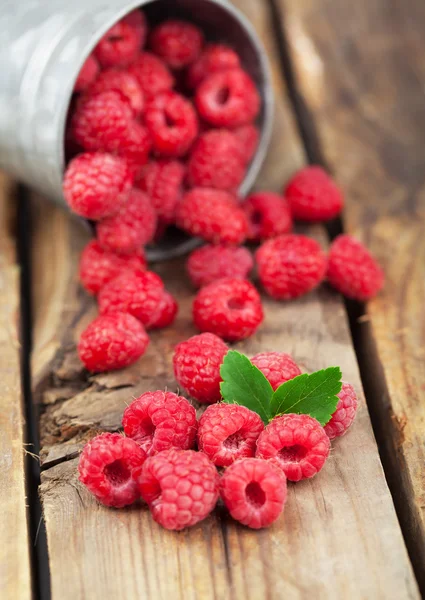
(244, 384)
(314, 395)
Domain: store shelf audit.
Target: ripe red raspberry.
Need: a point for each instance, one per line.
(209, 263)
(228, 99)
(108, 467)
(165, 313)
(228, 432)
(216, 161)
(172, 123)
(248, 136)
(133, 227)
(277, 367)
(135, 146)
(230, 308)
(124, 82)
(212, 215)
(352, 270)
(290, 266)
(178, 43)
(87, 74)
(196, 364)
(112, 341)
(137, 293)
(215, 58)
(180, 487)
(119, 46)
(152, 74)
(254, 492)
(162, 180)
(268, 215)
(96, 185)
(137, 20)
(313, 196)
(98, 267)
(345, 412)
(159, 421)
(297, 444)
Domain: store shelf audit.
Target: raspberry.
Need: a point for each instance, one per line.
(137, 20)
(112, 341)
(230, 308)
(134, 226)
(254, 492)
(98, 267)
(109, 464)
(352, 270)
(124, 82)
(290, 266)
(297, 444)
(277, 367)
(209, 263)
(159, 421)
(119, 46)
(152, 74)
(180, 487)
(135, 146)
(214, 59)
(313, 196)
(228, 432)
(196, 364)
(228, 99)
(165, 313)
(172, 123)
(96, 185)
(212, 215)
(137, 293)
(163, 181)
(216, 161)
(345, 412)
(268, 215)
(248, 136)
(178, 43)
(87, 74)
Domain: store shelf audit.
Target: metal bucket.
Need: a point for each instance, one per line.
(43, 45)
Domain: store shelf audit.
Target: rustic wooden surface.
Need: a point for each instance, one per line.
(15, 578)
(361, 71)
(339, 536)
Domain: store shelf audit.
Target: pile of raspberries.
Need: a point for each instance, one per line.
(239, 461)
(161, 130)
(163, 137)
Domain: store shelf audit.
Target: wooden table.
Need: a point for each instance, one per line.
(349, 82)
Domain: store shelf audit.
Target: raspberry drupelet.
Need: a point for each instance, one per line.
(181, 487)
(111, 342)
(109, 466)
(297, 444)
(196, 364)
(230, 308)
(159, 421)
(254, 492)
(228, 432)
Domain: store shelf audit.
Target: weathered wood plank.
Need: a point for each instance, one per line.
(339, 536)
(15, 576)
(361, 69)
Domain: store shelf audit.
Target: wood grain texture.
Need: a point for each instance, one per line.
(361, 70)
(15, 576)
(339, 535)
